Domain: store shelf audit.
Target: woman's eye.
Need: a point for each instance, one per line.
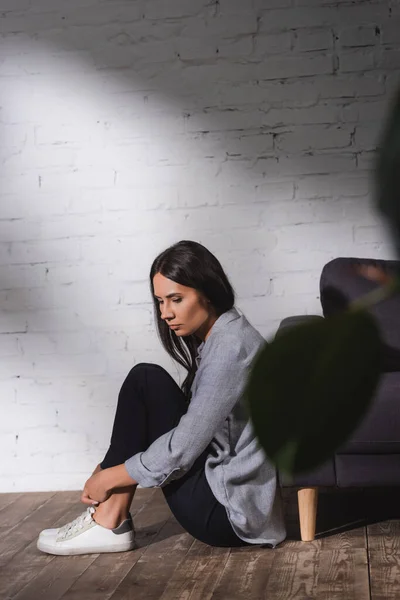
(177, 300)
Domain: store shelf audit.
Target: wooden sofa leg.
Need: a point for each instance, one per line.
(308, 500)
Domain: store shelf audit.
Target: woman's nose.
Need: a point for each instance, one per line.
(166, 313)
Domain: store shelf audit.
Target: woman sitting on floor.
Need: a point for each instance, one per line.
(196, 442)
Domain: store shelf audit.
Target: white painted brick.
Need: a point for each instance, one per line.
(15, 367)
(367, 136)
(247, 285)
(273, 43)
(349, 86)
(34, 417)
(73, 365)
(366, 160)
(32, 442)
(137, 292)
(303, 165)
(8, 345)
(296, 213)
(17, 276)
(325, 186)
(275, 191)
(301, 139)
(194, 196)
(13, 322)
(235, 48)
(227, 26)
(115, 319)
(370, 13)
(74, 273)
(36, 344)
(365, 111)
(369, 234)
(225, 120)
(275, 68)
(16, 205)
(258, 309)
(392, 84)
(310, 40)
(156, 9)
(284, 284)
(61, 135)
(39, 252)
(249, 146)
(390, 59)
(303, 91)
(391, 31)
(322, 113)
(296, 66)
(284, 19)
(78, 179)
(200, 48)
(49, 320)
(14, 5)
(356, 60)
(358, 36)
(102, 168)
(110, 341)
(240, 241)
(331, 236)
(72, 343)
(72, 463)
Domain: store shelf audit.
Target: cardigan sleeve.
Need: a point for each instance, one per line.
(220, 381)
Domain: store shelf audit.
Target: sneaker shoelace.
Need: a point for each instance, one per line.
(77, 523)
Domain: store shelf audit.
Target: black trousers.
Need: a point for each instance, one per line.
(150, 404)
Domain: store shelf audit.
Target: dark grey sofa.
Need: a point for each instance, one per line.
(372, 456)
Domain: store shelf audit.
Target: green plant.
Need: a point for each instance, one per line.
(309, 388)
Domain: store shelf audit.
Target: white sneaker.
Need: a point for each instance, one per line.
(84, 536)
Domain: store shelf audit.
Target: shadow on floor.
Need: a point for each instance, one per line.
(344, 510)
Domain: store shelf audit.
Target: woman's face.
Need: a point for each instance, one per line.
(184, 309)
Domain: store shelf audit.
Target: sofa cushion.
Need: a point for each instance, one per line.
(341, 283)
(379, 431)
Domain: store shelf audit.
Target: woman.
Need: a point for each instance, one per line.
(196, 443)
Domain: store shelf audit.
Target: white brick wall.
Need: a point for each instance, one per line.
(126, 126)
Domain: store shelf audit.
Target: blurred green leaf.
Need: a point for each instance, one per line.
(388, 171)
(309, 388)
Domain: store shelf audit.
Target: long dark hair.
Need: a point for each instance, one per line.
(191, 264)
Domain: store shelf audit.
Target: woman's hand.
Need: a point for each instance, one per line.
(96, 489)
(100, 485)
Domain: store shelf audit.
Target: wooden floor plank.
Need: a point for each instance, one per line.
(105, 574)
(351, 539)
(169, 564)
(384, 558)
(245, 575)
(150, 574)
(293, 571)
(8, 498)
(15, 512)
(343, 573)
(20, 560)
(28, 562)
(197, 575)
(27, 529)
(56, 578)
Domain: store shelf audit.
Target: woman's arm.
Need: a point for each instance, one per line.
(220, 381)
(103, 481)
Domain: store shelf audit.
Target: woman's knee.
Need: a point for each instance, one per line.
(142, 370)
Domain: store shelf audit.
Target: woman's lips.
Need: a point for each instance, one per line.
(174, 326)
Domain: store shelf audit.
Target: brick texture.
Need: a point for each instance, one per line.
(125, 126)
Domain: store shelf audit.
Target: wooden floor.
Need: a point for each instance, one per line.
(353, 557)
